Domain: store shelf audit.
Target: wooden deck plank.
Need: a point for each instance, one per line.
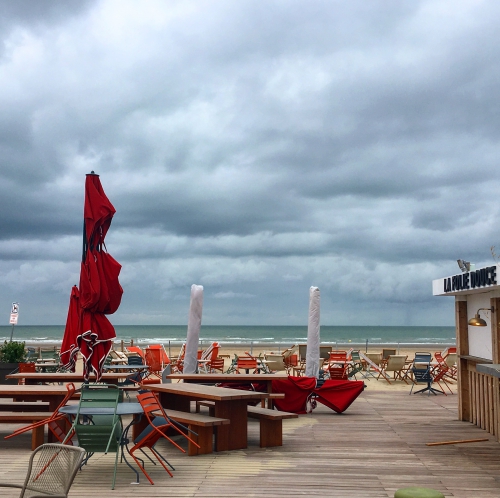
(374, 448)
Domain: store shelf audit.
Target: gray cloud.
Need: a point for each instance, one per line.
(254, 148)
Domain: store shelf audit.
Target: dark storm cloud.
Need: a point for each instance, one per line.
(256, 148)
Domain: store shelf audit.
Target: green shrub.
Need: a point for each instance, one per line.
(12, 352)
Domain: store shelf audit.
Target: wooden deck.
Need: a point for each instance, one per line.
(374, 448)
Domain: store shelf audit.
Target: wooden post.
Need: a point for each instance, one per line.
(463, 388)
(495, 333)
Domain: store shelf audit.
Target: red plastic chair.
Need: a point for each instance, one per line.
(57, 422)
(159, 425)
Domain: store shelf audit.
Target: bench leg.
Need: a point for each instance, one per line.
(204, 439)
(37, 435)
(271, 433)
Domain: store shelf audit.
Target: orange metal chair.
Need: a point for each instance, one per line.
(246, 363)
(57, 422)
(441, 372)
(155, 366)
(178, 363)
(337, 365)
(215, 365)
(159, 425)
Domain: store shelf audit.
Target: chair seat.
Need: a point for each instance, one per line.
(416, 492)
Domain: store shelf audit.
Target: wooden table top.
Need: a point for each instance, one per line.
(12, 390)
(199, 391)
(213, 377)
(64, 376)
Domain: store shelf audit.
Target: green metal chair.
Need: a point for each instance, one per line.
(97, 425)
(356, 365)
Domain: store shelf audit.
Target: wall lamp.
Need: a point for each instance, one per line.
(477, 321)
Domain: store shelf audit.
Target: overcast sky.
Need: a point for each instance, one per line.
(252, 147)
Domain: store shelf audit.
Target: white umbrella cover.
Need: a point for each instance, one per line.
(193, 330)
(313, 339)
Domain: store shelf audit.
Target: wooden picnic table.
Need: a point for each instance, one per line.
(229, 404)
(214, 378)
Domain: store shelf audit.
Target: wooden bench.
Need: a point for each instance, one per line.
(203, 425)
(37, 434)
(271, 424)
(23, 406)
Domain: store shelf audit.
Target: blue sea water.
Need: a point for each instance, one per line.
(248, 335)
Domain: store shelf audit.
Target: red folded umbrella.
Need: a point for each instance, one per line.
(100, 291)
(339, 394)
(69, 348)
(297, 391)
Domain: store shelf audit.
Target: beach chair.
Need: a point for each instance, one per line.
(159, 424)
(118, 357)
(164, 358)
(51, 471)
(136, 350)
(388, 352)
(397, 365)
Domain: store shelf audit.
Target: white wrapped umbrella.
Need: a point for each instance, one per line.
(193, 330)
(313, 336)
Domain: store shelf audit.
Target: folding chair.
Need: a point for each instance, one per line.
(51, 471)
(136, 350)
(178, 364)
(57, 422)
(440, 372)
(397, 365)
(159, 425)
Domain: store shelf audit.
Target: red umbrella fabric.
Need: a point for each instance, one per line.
(100, 291)
(69, 348)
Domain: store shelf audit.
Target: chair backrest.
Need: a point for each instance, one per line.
(27, 367)
(337, 356)
(217, 364)
(375, 357)
(388, 352)
(163, 353)
(102, 436)
(118, 355)
(246, 362)
(422, 358)
(324, 352)
(134, 360)
(164, 374)
(136, 350)
(451, 359)
(396, 362)
(153, 360)
(52, 469)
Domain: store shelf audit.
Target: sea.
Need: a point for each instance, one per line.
(248, 336)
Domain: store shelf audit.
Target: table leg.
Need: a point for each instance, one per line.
(235, 435)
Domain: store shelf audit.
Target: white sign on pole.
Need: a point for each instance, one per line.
(14, 313)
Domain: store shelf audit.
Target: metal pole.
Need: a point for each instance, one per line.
(366, 347)
(11, 333)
